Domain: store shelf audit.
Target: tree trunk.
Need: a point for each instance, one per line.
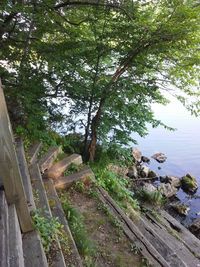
(94, 127)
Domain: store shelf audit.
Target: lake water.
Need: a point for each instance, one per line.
(182, 148)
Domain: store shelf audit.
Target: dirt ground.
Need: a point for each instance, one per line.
(113, 248)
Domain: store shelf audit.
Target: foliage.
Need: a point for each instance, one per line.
(76, 222)
(116, 186)
(155, 198)
(96, 68)
(50, 229)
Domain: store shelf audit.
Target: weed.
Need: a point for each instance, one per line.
(50, 230)
(76, 222)
(71, 169)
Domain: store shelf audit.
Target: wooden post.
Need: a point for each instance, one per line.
(9, 169)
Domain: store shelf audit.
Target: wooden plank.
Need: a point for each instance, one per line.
(66, 181)
(25, 174)
(15, 239)
(171, 237)
(58, 168)
(146, 248)
(47, 160)
(72, 258)
(33, 152)
(186, 237)
(34, 255)
(41, 200)
(4, 232)
(9, 169)
(43, 204)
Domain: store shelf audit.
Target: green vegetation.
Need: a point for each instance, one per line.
(50, 229)
(155, 198)
(76, 222)
(116, 185)
(96, 68)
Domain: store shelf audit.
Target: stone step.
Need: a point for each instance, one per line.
(33, 250)
(43, 205)
(47, 160)
(15, 239)
(58, 168)
(66, 181)
(72, 258)
(33, 152)
(4, 232)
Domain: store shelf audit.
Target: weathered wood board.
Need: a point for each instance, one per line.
(58, 168)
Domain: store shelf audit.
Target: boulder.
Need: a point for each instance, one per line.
(167, 189)
(195, 227)
(132, 172)
(181, 209)
(160, 157)
(149, 187)
(137, 155)
(152, 174)
(144, 171)
(122, 171)
(145, 159)
(174, 181)
(189, 184)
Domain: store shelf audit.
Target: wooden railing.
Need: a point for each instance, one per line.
(10, 176)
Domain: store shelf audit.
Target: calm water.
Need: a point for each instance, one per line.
(181, 147)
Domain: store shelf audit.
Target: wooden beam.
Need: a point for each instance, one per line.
(66, 181)
(33, 152)
(9, 169)
(47, 160)
(58, 168)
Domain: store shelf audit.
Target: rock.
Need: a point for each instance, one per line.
(160, 157)
(132, 172)
(159, 168)
(189, 184)
(144, 171)
(163, 179)
(137, 155)
(181, 209)
(122, 171)
(195, 227)
(149, 187)
(145, 159)
(167, 190)
(174, 181)
(152, 174)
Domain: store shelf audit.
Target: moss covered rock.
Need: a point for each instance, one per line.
(189, 183)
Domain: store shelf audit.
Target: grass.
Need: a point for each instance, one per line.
(76, 222)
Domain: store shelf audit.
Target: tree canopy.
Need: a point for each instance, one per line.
(97, 66)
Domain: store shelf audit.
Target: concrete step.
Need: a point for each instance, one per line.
(58, 168)
(66, 181)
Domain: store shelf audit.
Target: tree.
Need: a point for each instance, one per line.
(107, 62)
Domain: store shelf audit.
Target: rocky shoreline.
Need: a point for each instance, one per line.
(145, 179)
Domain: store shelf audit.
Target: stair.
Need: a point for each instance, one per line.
(66, 181)
(58, 168)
